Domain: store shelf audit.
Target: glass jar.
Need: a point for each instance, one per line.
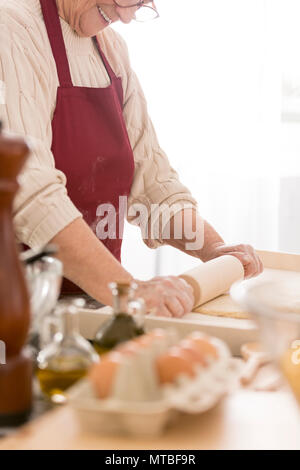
(67, 357)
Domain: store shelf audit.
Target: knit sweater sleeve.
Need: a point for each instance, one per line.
(42, 207)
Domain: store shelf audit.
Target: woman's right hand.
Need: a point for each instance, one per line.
(167, 296)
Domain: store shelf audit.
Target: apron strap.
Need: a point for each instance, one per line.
(109, 70)
(53, 26)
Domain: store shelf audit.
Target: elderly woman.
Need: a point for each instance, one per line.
(68, 85)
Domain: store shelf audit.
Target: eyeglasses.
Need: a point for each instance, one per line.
(144, 11)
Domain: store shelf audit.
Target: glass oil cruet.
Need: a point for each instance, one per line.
(127, 320)
(67, 357)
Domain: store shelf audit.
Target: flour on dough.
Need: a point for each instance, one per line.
(222, 306)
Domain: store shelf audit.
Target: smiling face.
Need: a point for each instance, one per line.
(95, 18)
(89, 17)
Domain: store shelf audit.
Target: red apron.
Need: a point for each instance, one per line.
(90, 141)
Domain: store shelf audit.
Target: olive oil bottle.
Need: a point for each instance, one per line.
(55, 380)
(66, 359)
(126, 322)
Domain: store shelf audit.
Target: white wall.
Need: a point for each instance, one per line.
(212, 72)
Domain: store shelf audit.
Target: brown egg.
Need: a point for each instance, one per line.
(195, 355)
(102, 374)
(203, 345)
(172, 364)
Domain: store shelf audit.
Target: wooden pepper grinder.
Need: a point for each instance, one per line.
(16, 373)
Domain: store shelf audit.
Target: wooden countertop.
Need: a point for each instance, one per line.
(244, 420)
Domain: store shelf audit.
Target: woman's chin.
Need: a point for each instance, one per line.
(91, 23)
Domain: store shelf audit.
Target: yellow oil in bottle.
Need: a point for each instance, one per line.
(123, 325)
(100, 350)
(119, 329)
(56, 382)
(66, 359)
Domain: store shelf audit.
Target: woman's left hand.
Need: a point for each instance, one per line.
(245, 253)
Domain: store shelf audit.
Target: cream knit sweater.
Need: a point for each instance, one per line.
(28, 85)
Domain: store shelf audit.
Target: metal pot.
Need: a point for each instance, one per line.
(44, 278)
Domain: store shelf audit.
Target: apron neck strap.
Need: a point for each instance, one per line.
(53, 26)
(109, 70)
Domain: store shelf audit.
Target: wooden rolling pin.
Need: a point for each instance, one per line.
(214, 278)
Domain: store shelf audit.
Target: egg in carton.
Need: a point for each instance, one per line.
(188, 375)
(213, 373)
(136, 379)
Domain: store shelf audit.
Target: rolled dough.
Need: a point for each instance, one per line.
(222, 306)
(283, 295)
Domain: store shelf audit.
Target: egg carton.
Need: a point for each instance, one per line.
(150, 418)
(118, 417)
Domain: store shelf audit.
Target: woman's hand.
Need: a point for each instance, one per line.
(166, 296)
(245, 253)
(213, 245)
